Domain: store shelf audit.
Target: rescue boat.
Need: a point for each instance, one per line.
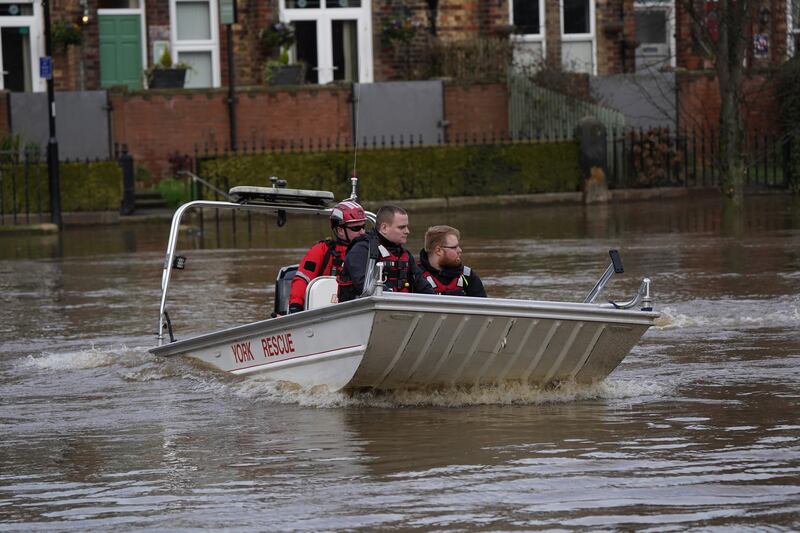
(385, 340)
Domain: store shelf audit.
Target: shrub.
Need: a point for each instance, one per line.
(95, 186)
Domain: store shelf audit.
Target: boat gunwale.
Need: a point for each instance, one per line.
(416, 303)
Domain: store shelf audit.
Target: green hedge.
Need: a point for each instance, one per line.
(90, 186)
(404, 173)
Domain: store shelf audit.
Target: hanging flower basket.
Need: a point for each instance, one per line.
(276, 36)
(65, 33)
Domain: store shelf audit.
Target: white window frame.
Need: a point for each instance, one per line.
(36, 39)
(669, 7)
(324, 17)
(142, 33)
(208, 45)
(793, 29)
(530, 37)
(590, 37)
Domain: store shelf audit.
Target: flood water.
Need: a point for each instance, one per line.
(699, 427)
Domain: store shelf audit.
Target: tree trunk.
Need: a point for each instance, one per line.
(734, 17)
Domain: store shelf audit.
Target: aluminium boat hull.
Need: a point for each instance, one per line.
(394, 341)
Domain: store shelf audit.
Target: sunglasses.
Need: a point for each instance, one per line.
(355, 228)
(451, 247)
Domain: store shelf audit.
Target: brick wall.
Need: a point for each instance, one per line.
(476, 110)
(768, 17)
(155, 125)
(254, 15)
(616, 36)
(699, 103)
(77, 67)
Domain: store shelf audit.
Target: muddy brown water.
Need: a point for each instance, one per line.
(697, 429)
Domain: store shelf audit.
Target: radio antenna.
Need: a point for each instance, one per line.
(354, 175)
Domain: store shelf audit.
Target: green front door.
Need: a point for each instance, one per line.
(120, 50)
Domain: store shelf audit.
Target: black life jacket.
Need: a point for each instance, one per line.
(332, 254)
(456, 287)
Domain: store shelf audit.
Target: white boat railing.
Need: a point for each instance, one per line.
(279, 209)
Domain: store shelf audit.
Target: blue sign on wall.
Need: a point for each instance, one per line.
(46, 68)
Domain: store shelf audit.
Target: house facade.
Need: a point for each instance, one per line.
(360, 40)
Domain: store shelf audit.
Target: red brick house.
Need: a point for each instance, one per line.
(356, 40)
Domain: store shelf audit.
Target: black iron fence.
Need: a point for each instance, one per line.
(319, 144)
(86, 185)
(23, 187)
(662, 157)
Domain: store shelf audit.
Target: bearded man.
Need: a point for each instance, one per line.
(441, 264)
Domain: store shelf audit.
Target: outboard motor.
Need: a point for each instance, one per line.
(283, 286)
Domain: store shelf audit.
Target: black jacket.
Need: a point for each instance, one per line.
(351, 278)
(473, 285)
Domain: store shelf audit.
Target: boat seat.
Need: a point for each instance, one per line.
(283, 286)
(322, 292)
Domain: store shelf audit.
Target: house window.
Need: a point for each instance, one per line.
(576, 17)
(526, 17)
(195, 40)
(20, 46)
(578, 45)
(333, 38)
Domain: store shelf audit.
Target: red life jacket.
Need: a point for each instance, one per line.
(456, 287)
(395, 269)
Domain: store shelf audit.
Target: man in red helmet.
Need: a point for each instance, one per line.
(327, 257)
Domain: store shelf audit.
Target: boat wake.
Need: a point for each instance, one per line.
(138, 366)
(729, 315)
(93, 357)
(513, 393)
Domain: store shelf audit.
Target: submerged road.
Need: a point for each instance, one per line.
(697, 429)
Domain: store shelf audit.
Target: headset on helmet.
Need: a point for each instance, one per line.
(346, 212)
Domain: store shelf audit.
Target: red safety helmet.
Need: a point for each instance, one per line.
(347, 212)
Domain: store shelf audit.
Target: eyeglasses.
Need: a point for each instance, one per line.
(355, 228)
(451, 247)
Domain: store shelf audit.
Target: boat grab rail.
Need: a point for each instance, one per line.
(615, 267)
(169, 259)
(642, 296)
(195, 178)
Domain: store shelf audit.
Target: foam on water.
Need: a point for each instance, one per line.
(93, 357)
(727, 315)
(514, 393)
(140, 367)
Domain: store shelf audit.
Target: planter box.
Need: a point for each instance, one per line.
(167, 78)
(288, 75)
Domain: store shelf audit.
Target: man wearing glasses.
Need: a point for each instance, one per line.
(384, 244)
(441, 263)
(327, 257)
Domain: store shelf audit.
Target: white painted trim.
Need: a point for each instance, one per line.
(669, 7)
(126, 11)
(211, 45)
(35, 23)
(324, 17)
(582, 37)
